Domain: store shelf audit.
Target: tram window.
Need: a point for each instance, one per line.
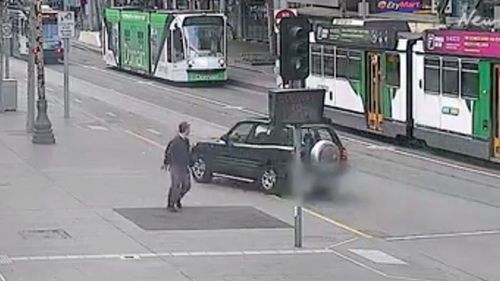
(316, 59)
(348, 64)
(392, 70)
(126, 34)
(329, 61)
(178, 54)
(450, 77)
(316, 63)
(470, 80)
(431, 75)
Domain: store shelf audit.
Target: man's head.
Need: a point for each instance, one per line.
(184, 128)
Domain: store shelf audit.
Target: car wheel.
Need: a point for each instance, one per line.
(201, 171)
(269, 181)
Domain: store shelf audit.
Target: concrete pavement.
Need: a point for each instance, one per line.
(57, 202)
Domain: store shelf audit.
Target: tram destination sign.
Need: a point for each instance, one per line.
(356, 36)
(467, 43)
(296, 106)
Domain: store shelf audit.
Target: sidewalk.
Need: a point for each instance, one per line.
(257, 77)
(60, 211)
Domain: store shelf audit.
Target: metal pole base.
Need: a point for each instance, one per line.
(298, 226)
(42, 129)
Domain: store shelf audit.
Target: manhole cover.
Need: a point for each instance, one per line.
(201, 218)
(46, 234)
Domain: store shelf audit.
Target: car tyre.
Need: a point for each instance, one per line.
(201, 171)
(270, 181)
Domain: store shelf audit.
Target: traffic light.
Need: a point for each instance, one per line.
(294, 48)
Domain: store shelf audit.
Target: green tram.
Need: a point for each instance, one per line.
(441, 87)
(178, 46)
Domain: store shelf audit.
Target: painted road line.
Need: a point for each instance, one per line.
(338, 244)
(97, 128)
(424, 158)
(336, 223)
(2, 278)
(153, 131)
(111, 114)
(377, 271)
(77, 100)
(138, 256)
(179, 92)
(377, 256)
(149, 141)
(443, 235)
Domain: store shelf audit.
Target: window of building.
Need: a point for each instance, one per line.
(450, 76)
(431, 75)
(392, 70)
(470, 79)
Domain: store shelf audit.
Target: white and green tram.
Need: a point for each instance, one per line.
(441, 87)
(179, 46)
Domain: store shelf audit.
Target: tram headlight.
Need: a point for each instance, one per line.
(190, 63)
(221, 62)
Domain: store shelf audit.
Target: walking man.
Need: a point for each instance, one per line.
(177, 161)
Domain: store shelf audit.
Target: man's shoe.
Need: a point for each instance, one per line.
(178, 204)
(172, 209)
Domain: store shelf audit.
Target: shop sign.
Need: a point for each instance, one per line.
(403, 6)
(468, 43)
(356, 36)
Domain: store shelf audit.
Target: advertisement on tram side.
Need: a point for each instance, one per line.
(467, 43)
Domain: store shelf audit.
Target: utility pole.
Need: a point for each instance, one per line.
(42, 131)
(66, 69)
(30, 120)
(2, 17)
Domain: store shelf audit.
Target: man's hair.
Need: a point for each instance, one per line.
(183, 127)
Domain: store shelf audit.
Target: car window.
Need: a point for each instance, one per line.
(281, 136)
(240, 133)
(260, 135)
(316, 134)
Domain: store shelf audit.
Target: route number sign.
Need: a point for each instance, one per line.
(282, 13)
(66, 24)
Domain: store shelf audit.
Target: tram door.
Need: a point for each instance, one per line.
(496, 113)
(375, 117)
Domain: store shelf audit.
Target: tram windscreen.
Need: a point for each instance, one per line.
(205, 36)
(50, 35)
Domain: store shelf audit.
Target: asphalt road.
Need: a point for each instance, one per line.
(424, 210)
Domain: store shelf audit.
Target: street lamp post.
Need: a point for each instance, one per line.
(42, 129)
